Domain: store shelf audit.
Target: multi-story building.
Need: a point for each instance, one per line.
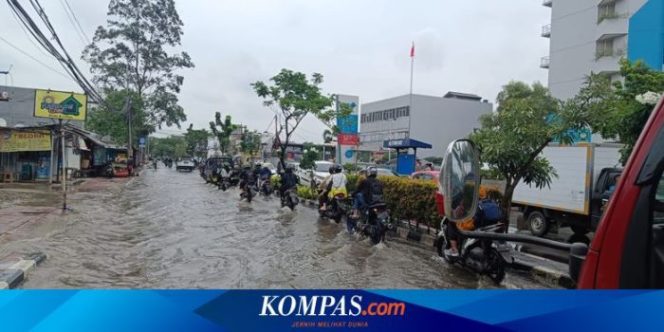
(434, 120)
(593, 35)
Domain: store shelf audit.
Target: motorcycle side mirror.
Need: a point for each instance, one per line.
(459, 180)
(577, 255)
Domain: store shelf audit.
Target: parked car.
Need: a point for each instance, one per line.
(386, 172)
(317, 174)
(185, 165)
(425, 175)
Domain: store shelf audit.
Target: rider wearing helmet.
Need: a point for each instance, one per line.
(369, 191)
(325, 187)
(338, 182)
(288, 180)
(247, 176)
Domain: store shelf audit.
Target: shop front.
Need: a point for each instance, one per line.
(25, 154)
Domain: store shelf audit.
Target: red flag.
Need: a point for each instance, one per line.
(412, 50)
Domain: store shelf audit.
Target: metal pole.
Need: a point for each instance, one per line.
(64, 169)
(410, 102)
(52, 161)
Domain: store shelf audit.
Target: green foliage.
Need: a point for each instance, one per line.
(528, 118)
(410, 199)
(613, 110)
(306, 192)
(110, 120)
(197, 141)
(168, 147)
(351, 168)
(491, 174)
(222, 130)
(251, 142)
(295, 96)
(310, 155)
(131, 53)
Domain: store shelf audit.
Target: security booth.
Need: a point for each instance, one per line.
(405, 160)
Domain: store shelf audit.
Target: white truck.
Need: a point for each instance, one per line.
(586, 174)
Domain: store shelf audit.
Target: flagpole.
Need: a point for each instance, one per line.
(410, 102)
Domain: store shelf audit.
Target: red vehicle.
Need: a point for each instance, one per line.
(425, 175)
(628, 248)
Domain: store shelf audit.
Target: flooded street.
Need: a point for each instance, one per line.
(166, 229)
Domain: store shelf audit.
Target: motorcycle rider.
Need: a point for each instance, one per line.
(337, 184)
(264, 175)
(324, 188)
(488, 212)
(247, 178)
(288, 180)
(369, 191)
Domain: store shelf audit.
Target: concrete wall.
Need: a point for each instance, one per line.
(435, 120)
(20, 108)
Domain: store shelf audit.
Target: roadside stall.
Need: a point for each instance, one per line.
(25, 154)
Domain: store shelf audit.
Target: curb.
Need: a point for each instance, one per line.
(13, 276)
(522, 260)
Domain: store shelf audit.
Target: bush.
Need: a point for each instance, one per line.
(410, 199)
(306, 192)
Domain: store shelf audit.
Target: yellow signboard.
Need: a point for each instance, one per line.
(18, 141)
(60, 105)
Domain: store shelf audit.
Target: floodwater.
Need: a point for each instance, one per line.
(167, 229)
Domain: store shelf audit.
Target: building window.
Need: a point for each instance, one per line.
(604, 48)
(606, 11)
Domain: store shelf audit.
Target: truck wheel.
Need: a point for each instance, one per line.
(537, 223)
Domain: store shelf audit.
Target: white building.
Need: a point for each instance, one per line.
(435, 120)
(592, 35)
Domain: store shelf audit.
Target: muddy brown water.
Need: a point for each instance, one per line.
(167, 229)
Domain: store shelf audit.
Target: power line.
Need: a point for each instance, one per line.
(33, 58)
(74, 21)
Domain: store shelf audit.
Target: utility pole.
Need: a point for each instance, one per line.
(63, 179)
(127, 109)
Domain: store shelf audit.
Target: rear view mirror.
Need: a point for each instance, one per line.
(460, 180)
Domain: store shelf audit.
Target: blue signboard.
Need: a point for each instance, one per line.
(347, 124)
(141, 142)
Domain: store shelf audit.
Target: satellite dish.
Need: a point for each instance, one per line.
(4, 95)
(3, 122)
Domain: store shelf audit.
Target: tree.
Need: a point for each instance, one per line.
(527, 119)
(250, 142)
(168, 147)
(109, 120)
(222, 130)
(295, 96)
(197, 141)
(619, 110)
(130, 54)
(309, 156)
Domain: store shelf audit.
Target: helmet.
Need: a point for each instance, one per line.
(372, 171)
(338, 168)
(257, 165)
(331, 169)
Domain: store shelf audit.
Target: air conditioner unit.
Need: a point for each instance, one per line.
(4, 95)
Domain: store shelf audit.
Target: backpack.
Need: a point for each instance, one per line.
(488, 212)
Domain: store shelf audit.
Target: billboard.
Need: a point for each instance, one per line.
(347, 138)
(21, 141)
(60, 105)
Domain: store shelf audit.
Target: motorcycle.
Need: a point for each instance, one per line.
(266, 188)
(224, 183)
(290, 199)
(248, 192)
(480, 255)
(374, 222)
(337, 207)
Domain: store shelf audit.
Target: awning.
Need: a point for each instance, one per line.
(407, 143)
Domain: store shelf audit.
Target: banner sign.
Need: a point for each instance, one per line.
(60, 105)
(331, 310)
(348, 128)
(348, 139)
(19, 140)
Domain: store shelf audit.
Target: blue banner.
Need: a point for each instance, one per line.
(363, 310)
